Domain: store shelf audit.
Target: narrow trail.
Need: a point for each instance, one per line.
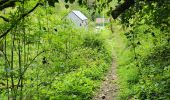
(108, 88)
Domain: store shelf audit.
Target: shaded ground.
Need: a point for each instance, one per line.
(109, 86)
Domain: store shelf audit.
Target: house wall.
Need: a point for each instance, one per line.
(84, 23)
(76, 20)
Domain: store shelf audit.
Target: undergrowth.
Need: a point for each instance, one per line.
(143, 74)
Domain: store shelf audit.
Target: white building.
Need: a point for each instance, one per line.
(78, 18)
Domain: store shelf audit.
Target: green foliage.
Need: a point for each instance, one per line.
(145, 52)
(48, 58)
(44, 57)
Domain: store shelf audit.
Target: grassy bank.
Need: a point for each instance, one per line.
(143, 71)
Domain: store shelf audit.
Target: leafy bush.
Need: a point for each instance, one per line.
(143, 63)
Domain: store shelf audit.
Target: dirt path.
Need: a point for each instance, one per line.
(109, 86)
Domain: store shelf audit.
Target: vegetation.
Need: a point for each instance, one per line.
(143, 51)
(45, 57)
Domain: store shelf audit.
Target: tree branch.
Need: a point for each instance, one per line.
(7, 3)
(23, 15)
(17, 20)
(5, 19)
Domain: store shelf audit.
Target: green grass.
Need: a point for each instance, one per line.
(126, 70)
(145, 77)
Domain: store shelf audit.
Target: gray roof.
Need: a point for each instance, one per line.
(79, 14)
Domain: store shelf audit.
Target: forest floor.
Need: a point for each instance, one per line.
(109, 88)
